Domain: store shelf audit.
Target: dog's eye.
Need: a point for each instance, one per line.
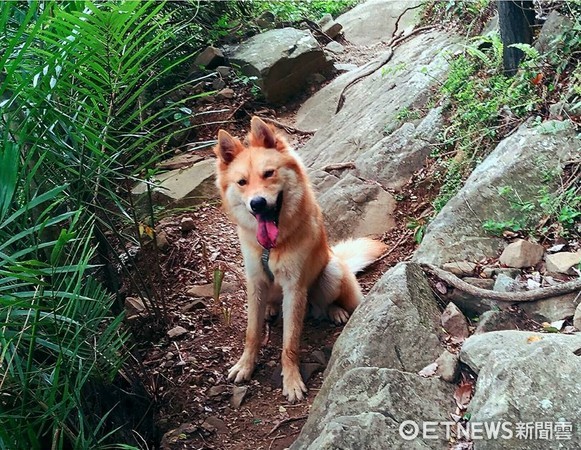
(268, 173)
(242, 182)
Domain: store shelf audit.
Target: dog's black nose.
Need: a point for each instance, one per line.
(258, 204)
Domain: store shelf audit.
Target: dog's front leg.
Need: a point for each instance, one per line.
(243, 369)
(294, 305)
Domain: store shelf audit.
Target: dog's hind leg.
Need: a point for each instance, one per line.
(349, 298)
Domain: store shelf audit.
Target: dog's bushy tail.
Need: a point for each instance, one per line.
(359, 253)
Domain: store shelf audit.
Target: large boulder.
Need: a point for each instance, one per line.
(372, 105)
(281, 59)
(522, 162)
(375, 20)
(371, 383)
(354, 208)
(537, 391)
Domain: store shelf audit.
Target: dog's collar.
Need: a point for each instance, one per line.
(264, 259)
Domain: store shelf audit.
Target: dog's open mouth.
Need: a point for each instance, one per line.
(267, 231)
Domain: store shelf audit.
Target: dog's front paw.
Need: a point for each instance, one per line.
(242, 370)
(293, 387)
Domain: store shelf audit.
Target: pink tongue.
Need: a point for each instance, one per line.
(266, 233)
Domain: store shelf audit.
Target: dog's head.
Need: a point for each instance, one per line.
(261, 182)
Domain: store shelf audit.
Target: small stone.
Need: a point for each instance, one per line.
(196, 304)
(226, 93)
(505, 283)
(207, 290)
(335, 47)
(223, 71)
(187, 224)
(563, 262)
(495, 321)
(460, 268)
(309, 369)
(320, 357)
(482, 283)
(161, 240)
(210, 58)
(346, 67)
(176, 332)
(133, 307)
(448, 366)
(238, 396)
(577, 318)
(454, 321)
(521, 254)
(218, 83)
(215, 391)
(213, 424)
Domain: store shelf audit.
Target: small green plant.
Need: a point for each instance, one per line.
(408, 114)
(419, 228)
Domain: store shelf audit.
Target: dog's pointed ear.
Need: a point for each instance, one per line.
(228, 147)
(261, 135)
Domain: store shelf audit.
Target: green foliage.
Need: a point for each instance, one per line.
(561, 209)
(295, 10)
(78, 123)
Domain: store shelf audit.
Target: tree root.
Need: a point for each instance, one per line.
(514, 297)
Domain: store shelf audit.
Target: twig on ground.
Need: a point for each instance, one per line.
(528, 296)
(283, 421)
(396, 245)
(339, 166)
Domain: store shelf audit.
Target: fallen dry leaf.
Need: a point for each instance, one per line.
(532, 339)
(463, 394)
(429, 370)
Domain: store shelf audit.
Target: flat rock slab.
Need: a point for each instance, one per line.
(482, 349)
(181, 187)
(373, 103)
(521, 161)
(375, 20)
(282, 60)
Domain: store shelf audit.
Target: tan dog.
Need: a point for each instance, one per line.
(266, 191)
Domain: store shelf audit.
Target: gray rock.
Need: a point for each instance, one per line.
(577, 317)
(161, 240)
(224, 71)
(555, 24)
(218, 83)
(207, 290)
(176, 332)
(374, 21)
(539, 386)
(522, 254)
(210, 58)
(552, 309)
(496, 321)
(454, 322)
(345, 67)
(377, 335)
(521, 162)
(329, 26)
(335, 47)
(180, 161)
(394, 159)
(282, 59)
(498, 347)
(563, 262)
(448, 366)
(215, 391)
(226, 93)
(504, 283)
(368, 407)
(353, 208)
(460, 268)
(187, 224)
(354, 130)
(181, 187)
(238, 395)
(133, 307)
